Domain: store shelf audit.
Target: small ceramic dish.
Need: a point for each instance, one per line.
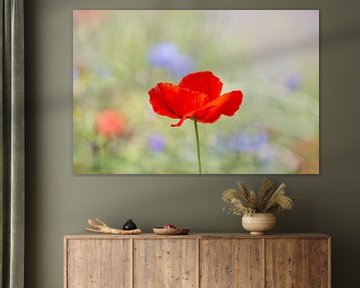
(171, 231)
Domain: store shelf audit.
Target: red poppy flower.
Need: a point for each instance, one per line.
(110, 123)
(197, 97)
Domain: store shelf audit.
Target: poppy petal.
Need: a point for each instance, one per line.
(190, 115)
(227, 104)
(160, 102)
(175, 102)
(204, 82)
(180, 122)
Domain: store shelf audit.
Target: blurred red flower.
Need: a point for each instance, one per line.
(197, 96)
(109, 123)
(90, 17)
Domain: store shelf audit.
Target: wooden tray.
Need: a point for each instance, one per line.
(171, 231)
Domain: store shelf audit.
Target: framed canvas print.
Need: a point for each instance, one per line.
(196, 91)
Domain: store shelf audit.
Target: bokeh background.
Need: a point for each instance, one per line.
(272, 56)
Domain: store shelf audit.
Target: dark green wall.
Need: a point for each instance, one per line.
(59, 202)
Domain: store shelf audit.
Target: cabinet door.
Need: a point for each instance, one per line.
(231, 263)
(165, 263)
(98, 263)
(320, 263)
(287, 263)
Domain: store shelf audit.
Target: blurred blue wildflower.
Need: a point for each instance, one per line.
(246, 142)
(182, 66)
(167, 56)
(293, 82)
(156, 143)
(163, 54)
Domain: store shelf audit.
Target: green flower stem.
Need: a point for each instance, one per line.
(197, 145)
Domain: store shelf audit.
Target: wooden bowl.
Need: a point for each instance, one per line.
(171, 231)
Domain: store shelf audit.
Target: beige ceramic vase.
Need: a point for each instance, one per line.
(259, 223)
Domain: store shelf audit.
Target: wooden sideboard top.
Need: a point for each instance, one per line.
(86, 235)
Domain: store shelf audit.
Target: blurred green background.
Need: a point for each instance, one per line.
(272, 56)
